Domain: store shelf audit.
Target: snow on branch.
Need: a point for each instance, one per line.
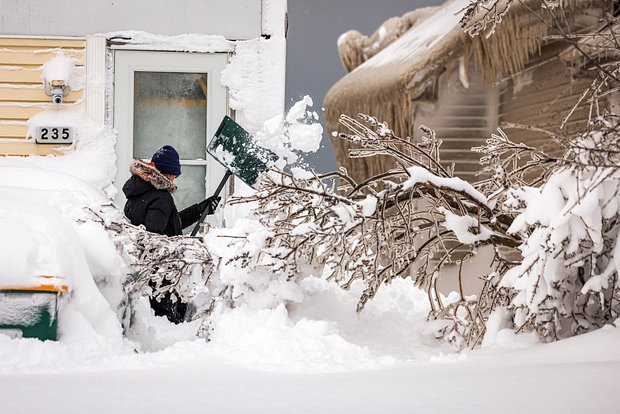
(568, 280)
(408, 221)
(179, 266)
(421, 176)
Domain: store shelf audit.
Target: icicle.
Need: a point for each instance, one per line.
(463, 72)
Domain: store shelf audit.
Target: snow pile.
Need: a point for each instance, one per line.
(45, 241)
(43, 208)
(250, 285)
(192, 42)
(91, 157)
(62, 68)
(269, 340)
(254, 81)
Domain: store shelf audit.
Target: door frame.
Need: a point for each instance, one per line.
(126, 62)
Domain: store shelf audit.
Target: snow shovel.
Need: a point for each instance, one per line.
(233, 147)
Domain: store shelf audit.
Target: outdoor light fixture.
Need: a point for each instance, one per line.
(57, 90)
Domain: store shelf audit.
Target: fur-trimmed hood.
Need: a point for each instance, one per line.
(150, 202)
(151, 175)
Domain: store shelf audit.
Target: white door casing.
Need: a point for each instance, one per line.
(126, 63)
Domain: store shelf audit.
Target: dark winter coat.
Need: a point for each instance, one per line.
(150, 202)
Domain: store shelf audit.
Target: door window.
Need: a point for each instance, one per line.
(170, 108)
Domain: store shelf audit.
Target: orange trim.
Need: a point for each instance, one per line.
(62, 289)
(55, 288)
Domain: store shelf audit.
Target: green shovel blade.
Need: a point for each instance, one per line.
(233, 147)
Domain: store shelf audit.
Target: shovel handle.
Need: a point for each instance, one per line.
(215, 194)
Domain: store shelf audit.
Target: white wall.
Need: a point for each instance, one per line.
(235, 19)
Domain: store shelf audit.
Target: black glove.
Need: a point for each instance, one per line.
(209, 204)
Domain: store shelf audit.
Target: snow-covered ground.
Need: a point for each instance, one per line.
(571, 376)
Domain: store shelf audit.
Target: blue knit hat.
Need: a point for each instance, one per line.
(166, 160)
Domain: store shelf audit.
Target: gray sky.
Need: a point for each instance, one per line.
(312, 62)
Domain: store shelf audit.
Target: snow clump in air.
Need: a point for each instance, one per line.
(304, 131)
(291, 135)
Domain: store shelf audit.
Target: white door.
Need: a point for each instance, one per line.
(169, 98)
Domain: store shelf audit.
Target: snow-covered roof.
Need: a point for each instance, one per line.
(421, 39)
(412, 55)
(435, 39)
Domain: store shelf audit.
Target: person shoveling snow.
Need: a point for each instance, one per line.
(150, 203)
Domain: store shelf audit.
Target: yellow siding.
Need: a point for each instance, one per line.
(27, 148)
(20, 76)
(33, 95)
(43, 42)
(18, 113)
(13, 131)
(14, 57)
(21, 87)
